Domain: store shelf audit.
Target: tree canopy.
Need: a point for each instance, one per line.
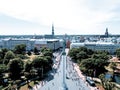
(20, 49)
(91, 62)
(15, 67)
(118, 52)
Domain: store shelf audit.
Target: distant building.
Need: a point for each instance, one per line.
(53, 44)
(53, 29)
(104, 46)
(10, 43)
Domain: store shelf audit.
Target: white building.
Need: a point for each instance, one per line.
(9, 43)
(107, 46)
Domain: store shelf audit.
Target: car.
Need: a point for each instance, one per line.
(90, 81)
(67, 77)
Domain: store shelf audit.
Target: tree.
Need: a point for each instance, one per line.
(20, 49)
(90, 52)
(42, 64)
(72, 53)
(106, 83)
(3, 52)
(36, 51)
(15, 68)
(29, 53)
(77, 54)
(28, 66)
(3, 68)
(81, 55)
(96, 65)
(27, 69)
(113, 66)
(38, 62)
(118, 53)
(9, 55)
(47, 53)
(83, 49)
(43, 49)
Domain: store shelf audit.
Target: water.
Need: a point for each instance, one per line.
(116, 77)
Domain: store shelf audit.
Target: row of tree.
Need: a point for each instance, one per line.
(91, 62)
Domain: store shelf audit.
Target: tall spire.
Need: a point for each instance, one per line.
(52, 29)
(106, 33)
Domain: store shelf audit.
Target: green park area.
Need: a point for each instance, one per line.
(20, 68)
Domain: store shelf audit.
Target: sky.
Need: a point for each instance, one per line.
(24, 17)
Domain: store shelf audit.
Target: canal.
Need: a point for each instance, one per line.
(116, 77)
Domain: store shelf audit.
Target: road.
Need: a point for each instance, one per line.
(66, 78)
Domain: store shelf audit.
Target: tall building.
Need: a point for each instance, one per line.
(106, 33)
(50, 36)
(53, 29)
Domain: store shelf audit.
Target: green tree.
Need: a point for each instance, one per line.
(15, 68)
(36, 51)
(41, 64)
(3, 69)
(95, 65)
(29, 53)
(9, 55)
(81, 55)
(113, 66)
(106, 83)
(38, 62)
(73, 52)
(28, 66)
(20, 49)
(3, 52)
(90, 52)
(118, 52)
(47, 53)
(43, 49)
(27, 69)
(77, 54)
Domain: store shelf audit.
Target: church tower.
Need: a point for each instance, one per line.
(106, 33)
(52, 29)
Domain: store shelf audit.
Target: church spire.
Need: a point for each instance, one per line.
(52, 29)
(106, 33)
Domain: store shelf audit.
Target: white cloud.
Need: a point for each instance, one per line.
(79, 15)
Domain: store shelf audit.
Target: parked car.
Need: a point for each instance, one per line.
(90, 81)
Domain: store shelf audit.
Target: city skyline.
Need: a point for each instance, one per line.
(28, 17)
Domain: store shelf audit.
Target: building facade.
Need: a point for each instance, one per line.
(9, 43)
(104, 46)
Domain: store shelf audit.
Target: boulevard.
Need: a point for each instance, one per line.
(65, 76)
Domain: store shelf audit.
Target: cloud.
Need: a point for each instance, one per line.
(84, 16)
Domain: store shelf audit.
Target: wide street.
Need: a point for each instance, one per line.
(65, 78)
